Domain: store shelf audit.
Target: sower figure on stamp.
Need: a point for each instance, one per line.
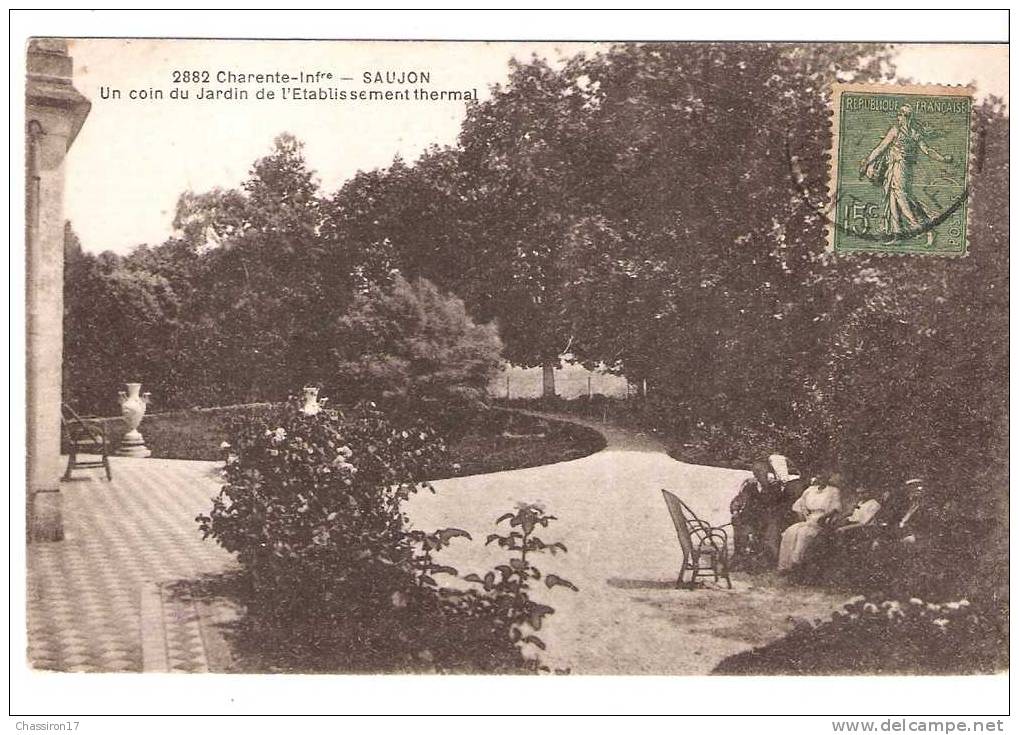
(892, 164)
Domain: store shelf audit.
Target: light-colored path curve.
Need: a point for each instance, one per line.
(623, 554)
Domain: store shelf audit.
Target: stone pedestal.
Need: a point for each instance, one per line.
(54, 113)
(133, 445)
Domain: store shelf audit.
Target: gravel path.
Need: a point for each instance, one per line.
(627, 617)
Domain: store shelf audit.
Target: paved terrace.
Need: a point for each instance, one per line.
(122, 538)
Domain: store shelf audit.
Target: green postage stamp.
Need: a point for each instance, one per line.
(900, 169)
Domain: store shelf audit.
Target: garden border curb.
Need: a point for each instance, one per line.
(153, 632)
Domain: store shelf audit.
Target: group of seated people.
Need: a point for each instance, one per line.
(783, 521)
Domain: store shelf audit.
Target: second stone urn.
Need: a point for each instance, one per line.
(132, 406)
(312, 405)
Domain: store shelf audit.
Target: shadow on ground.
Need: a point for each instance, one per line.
(641, 584)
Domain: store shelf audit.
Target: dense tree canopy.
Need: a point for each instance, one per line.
(656, 208)
(254, 290)
(661, 209)
(117, 319)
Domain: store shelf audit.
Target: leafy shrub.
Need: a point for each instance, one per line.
(493, 627)
(311, 503)
(410, 341)
(890, 636)
(507, 588)
(337, 579)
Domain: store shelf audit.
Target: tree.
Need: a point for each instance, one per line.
(524, 152)
(410, 340)
(118, 321)
(406, 218)
(264, 284)
(659, 208)
(236, 306)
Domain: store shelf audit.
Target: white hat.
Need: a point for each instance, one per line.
(780, 463)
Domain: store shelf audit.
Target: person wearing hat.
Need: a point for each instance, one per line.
(760, 511)
(749, 513)
(895, 504)
(780, 513)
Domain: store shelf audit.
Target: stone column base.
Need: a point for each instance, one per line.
(134, 450)
(133, 445)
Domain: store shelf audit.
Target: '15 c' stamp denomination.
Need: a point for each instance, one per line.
(900, 169)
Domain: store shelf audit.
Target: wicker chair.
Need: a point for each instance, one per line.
(700, 542)
(84, 436)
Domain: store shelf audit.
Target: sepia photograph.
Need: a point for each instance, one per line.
(515, 358)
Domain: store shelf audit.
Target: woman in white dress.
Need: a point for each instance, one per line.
(818, 502)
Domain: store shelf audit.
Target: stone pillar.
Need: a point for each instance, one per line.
(54, 113)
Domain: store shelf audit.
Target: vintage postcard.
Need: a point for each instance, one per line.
(482, 357)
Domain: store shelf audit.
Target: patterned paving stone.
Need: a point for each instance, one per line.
(84, 593)
(184, 644)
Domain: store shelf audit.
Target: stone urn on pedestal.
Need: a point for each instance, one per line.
(312, 404)
(132, 406)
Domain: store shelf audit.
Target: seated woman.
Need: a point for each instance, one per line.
(818, 502)
(879, 515)
(787, 490)
(839, 551)
(852, 537)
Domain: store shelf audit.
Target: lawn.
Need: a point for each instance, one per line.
(503, 440)
(186, 434)
(518, 440)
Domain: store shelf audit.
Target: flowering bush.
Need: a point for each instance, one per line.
(921, 626)
(308, 495)
(337, 579)
(312, 507)
(887, 636)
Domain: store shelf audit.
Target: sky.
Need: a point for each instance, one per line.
(133, 158)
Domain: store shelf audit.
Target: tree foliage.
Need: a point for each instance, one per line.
(117, 319)
(255, 291)
(660, 209)
(656, 208)
(408, 339)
